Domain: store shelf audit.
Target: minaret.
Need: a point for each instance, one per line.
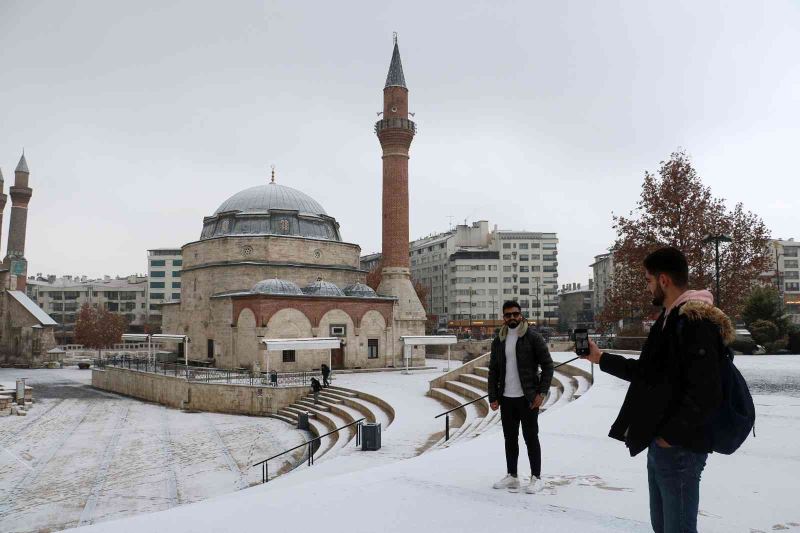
(3, 200)
(395, 132)
(15, 252)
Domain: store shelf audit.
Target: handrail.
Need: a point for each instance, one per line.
(447, 413)
(265, 473)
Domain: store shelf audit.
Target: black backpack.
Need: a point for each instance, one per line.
(736, 416)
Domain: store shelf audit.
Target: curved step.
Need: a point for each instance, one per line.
(309, 402)
(476, 381)
(470, 392)
(470, 412)
(482, 371)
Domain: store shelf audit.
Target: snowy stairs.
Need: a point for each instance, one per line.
(568, 384)
(337, 407)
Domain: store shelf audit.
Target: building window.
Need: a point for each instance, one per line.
(210, 348)
(288, 356)
(156, 295)
(176, 273)
(372, 348)
(506, 291)
(524, 279)
(792, 274)
(524, 268)
(156, 284)
(506, 257)
(790, 264)
(155, 307)
(790, 251)
(506, 245)
(338, 330)
(176, 296)
(506, 269)
(523, 257)
(793, 287)
(157, 274)
(176, 284)
(177, 262)
(158, 263)
(523, 246)
(112, 306)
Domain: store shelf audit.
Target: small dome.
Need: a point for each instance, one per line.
(323, 288)
(360, 290)
(276, 286)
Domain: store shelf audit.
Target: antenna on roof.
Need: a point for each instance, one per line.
(273, 174)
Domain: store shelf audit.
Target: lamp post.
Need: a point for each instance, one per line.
(716, 239)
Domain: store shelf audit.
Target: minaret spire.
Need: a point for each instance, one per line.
(395, 78)
(20, 194)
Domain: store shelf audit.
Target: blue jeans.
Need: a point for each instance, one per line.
(674, 478)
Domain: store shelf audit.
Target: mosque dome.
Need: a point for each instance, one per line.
(276, 286)
(271, 209)
(360, 290)
(322, 288)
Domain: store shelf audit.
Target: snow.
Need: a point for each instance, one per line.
(592, 484)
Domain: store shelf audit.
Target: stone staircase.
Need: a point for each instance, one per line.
(470, 382)
(338, 406)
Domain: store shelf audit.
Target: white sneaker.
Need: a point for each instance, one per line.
(509, 482)
(535, 485)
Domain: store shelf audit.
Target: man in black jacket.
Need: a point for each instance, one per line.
(674, 389)
(516, 387)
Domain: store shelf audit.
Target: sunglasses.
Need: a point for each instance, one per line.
(515, 314)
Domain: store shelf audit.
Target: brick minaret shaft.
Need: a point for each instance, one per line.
(20, 196)
(395, 133)
(3, 200)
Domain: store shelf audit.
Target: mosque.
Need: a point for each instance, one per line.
(271, 263)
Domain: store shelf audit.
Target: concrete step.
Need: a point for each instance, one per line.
(287, 419)
(470, 392)
(309, 402)
(475, 380)
(342, 391)
(296, 409)
(481, 371)
(331, 398)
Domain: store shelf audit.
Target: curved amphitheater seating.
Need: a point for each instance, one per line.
(338, 406)
(471, 381)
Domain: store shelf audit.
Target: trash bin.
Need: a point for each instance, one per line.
(302, 420)
(370, 437)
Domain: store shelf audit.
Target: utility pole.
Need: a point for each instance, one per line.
(778, 283)
(716, 239)
(470, 310)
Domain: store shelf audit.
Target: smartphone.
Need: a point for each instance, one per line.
(582, 342)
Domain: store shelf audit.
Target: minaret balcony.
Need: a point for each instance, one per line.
(396, 123)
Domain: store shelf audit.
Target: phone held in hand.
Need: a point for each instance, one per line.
(582, 342)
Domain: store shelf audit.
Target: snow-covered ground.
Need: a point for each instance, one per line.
(592, 482)
(83, 455)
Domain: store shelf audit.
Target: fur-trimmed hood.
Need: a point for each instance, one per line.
(697, 310)
(522, 329)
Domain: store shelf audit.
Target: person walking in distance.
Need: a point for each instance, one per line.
(675, 388)
(315, 388)
(518, 389)
(326, 373)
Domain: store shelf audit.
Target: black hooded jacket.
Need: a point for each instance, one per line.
(532, 354)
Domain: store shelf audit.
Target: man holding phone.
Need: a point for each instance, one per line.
(518, 390)
(675, 388)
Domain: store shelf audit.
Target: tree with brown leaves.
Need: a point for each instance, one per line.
(676, 209)
(98, 328)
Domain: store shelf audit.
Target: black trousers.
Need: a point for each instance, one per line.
(513, 413)
(325, 381)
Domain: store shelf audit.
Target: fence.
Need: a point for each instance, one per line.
(210, 375)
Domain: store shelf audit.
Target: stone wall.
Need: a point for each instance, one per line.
(176, 392)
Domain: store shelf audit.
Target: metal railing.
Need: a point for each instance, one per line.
(446, 414)
(311, 449)
(209, 375)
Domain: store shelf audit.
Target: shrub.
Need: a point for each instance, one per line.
(775, 347)
(746, 347)
(764, 331)
(794, 341)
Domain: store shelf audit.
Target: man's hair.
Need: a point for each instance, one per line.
(669, 261)
(508, 304)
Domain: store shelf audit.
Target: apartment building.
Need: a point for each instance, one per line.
(62, 298)
(603, 275)
(164, 268)
(785, 274)
(575, 303)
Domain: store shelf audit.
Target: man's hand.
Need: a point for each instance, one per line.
(494, 405)
(661, 443)
(594, 353)
(538, 401)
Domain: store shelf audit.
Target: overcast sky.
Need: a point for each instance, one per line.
(139, 118)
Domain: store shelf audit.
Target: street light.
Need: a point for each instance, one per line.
(716, 239)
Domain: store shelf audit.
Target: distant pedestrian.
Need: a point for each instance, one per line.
(326, 374)
(315, 388)
(675, 388)
(517, 388)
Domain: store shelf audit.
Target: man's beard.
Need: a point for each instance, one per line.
(512, 323)
(658, 297)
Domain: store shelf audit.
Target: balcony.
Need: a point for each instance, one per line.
(396, 123)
